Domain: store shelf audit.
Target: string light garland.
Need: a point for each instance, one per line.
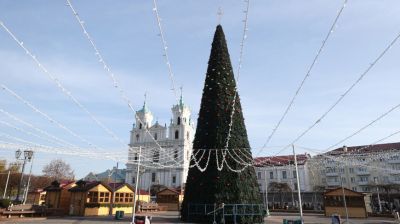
(30, 133)
(59, 84)
(342, 96)
(165, 50)
(108, 70)
(364, 127)
(244, 37)
(47, 117)
(308, 73)
(13, 117)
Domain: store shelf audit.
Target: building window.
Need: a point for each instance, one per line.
(176, 154)
(271, 175)
(140, 126)
(155, 136)
(133, 180)
(352, 179)
(137, 137)
(344, 180)
(295, 187)
(294, 174)
(284, 175)
(123, 197)
(179, 121)
(93, 197)
(364, 178)
(136, 157)
(354, 188)
(258, 175)
(156, 157)
(351, 170)
(153, 177)
(174, 179)
(176, 134)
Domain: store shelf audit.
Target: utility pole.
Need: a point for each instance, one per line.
(377, 190)
(136, 186)
(29, 182)
(298, 185)
(344, 198)
(266, 193)
(27, 157)
(5, 188)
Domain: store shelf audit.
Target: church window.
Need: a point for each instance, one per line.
(156, 157)
(174, 179)
(176, 154)
(136, 156)
(179, 121)
(133, 180)
(155, 136)
(153, 177)
(140, 126)
(137, 137)
(176, 134)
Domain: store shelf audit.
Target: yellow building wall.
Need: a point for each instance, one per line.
(353, 212)
(96, 211)
(145, 198)
(124, 209)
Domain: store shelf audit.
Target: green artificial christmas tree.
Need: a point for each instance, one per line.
(213, 189)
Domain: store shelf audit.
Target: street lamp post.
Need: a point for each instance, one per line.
(379, 198)
(27, 157)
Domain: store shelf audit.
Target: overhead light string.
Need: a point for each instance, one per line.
(59, 84)
(308, 73)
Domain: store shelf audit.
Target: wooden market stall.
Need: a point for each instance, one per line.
(355, 201)
(124, 194)
(36, 197)
(169, 198)
(58, 196)
(90, 199)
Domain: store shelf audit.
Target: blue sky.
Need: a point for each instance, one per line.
(283, 38)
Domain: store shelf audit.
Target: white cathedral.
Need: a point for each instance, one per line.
(166, 153)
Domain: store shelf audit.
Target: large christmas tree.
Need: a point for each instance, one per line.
(213, 187)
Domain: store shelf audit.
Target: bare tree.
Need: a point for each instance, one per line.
(59, 170)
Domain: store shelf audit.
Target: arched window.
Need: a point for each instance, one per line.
(176, 154)
(179, 121)
(140, 126)
(137, 137)
(176, 134)
(155, 136)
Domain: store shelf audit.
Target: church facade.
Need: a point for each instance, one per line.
(165, 151)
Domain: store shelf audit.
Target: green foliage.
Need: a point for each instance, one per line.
(4, 203)
(213, 186)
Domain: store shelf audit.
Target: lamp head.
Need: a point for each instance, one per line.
(18, 153)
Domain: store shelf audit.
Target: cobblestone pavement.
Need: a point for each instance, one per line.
(172, 217)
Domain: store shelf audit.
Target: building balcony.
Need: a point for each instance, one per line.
(333, 183)
(333, 174)
(362, 172)
(361, 182)
(394, 161)
(394, 172)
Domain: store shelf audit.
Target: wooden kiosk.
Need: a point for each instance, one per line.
(355, 201)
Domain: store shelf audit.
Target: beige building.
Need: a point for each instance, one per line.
(358, 168)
